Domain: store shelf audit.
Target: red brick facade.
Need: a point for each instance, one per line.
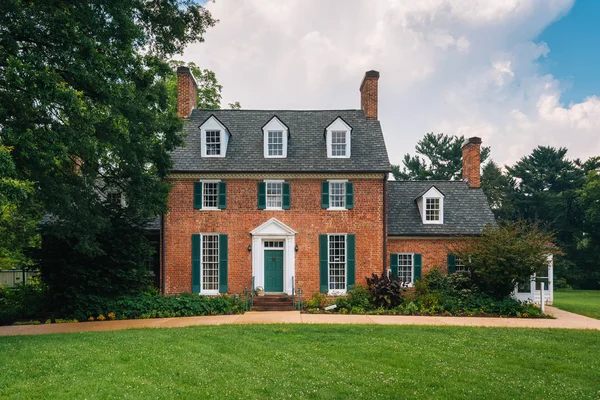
(242, 216)
(186, 92)
(369, 94)
(433, 250)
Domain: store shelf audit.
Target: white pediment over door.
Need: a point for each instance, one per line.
(273, 227)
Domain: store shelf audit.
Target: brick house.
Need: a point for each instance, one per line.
(284, 198)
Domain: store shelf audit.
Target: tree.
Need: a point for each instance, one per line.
(209, 90)
(442, 159)
(590, 245)
(499, 190)
(85, 108)
(506, 255)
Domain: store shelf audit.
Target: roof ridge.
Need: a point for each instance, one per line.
(425, 181)
(278, 110)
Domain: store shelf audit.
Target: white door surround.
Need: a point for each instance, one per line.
(271, 230)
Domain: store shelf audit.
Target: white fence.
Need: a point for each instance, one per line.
(12, 277)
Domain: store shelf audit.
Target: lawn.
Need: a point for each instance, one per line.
(584, 302)
(300, 361)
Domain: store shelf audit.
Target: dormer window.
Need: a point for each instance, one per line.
(338, 135)
(431, 206)
(276, 135)
(214, 138)
(275, 143)
(213, 143)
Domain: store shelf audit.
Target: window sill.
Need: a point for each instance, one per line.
(209, 293)
(208, 209)
(338, 209)
(338, 292)
(274, 209)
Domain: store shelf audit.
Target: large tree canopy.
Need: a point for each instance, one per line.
(441, 159)
(84, 107)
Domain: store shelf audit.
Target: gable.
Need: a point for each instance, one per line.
(273, 227)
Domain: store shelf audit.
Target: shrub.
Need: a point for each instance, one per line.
(318, 300)
(385, 292)
(26, 301)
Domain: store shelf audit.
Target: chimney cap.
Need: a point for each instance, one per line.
(472, 140)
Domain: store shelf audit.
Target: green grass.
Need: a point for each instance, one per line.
(303, 361)
(584, 302)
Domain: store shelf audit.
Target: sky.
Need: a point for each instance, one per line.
(517, 73)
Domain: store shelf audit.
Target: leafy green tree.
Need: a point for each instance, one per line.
(590, 245)
(441, 159)
(499, 190)
(84, 106)
(506, 255)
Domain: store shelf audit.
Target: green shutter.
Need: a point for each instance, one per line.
(223, 263)
(418, 266)
(323, 263)
(325, 194)
(196, 263)
(351, 261)
(198, 195)
(262, 195)
(394, 265)
(349, 195)
(451, 263)
(222, 195)
(285, 195)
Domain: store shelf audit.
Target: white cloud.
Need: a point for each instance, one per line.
(461, 67)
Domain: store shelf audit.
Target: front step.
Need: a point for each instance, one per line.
(273, 302)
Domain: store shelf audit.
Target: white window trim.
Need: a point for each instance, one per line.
(412, 267)
(275, 125)
(202, 291)
(212, 124)
(338, 292)
(338, 125)
(267, 208)
(344, 181)
(203, 181)
(441, 220)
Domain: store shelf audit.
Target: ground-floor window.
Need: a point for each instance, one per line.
(405, 268)
(460, 265)
(210, 263)
(337, 263)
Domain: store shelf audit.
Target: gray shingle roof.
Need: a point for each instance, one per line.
(466, 211)
(307, 150)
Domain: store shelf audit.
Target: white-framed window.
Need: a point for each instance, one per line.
(274, 194)
(337, 254)
(460, 265)
(406, 268)
(115, 198)
(210, 264)
(337, 194)
(432, 209)
(214, 138)
(338, 137)
(275, 143)
(275, 138)
(338, 143)
(210, 195)
(213, 143)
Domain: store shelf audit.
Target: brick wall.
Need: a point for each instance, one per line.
(471, 162)
(186, 92)
(434, 251)
(242, 216)
(369, 94)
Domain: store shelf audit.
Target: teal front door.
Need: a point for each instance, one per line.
(273, 270)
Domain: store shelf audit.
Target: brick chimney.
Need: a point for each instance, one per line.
(471, 161)
(368, 94)
(186, 92)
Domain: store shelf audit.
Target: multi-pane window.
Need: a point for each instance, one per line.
(213, 143)
(337, 262)
(275, 143)
(338, 143)
(210, 195)
(405, 267)
(114, 198)
(210, 263)
(274, 194)
(460, 265)
(432, 209)
(337, 194)
(273, 244)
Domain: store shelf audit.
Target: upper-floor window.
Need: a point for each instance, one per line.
(338, 143)
(275, 143)
(214, 138)
(276, 135)
(274, 194)
(431, 206)
(337, 194)
(338, 135)
(115, 198)
(213, 143)
(210, 195)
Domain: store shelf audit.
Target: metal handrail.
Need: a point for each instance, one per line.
(252, 294)
(293, 293)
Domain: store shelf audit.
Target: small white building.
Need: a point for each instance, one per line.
(531, 291)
